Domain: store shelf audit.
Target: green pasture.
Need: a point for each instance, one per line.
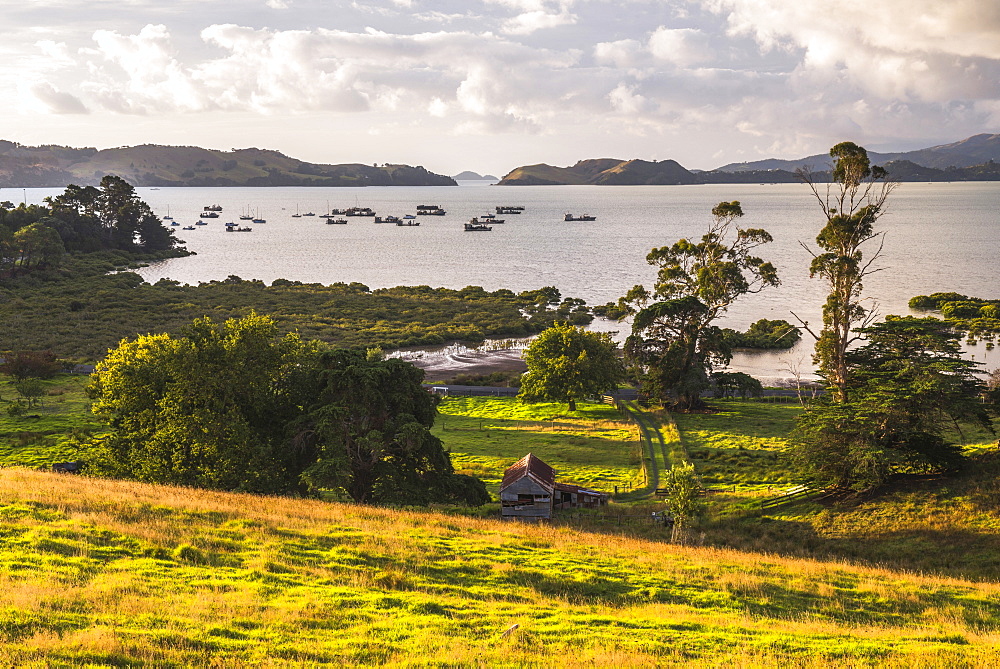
(46, 432)
(105, 573)
(740, 443)
(592, 446)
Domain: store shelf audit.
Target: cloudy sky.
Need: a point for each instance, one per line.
(488, 85)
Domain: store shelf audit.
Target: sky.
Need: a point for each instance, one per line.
(489, 85)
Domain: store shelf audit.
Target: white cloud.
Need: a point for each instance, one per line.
(915, 49)
(622, 53)
(680, 46)
(48, 100)
(535, 15)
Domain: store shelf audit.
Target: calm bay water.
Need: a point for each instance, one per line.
(940, 237)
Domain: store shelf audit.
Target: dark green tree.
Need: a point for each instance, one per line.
(909, 387)
(367, 433)
(37, 245)
(851, 206)
(567, 363)
(207, 408)
(674, 344)
(236, 406)
(30, 365)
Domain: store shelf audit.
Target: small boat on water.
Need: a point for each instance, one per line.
(174, 223)
(336, 221)
(208, 214)
(388, 219)
(359, 211)
(296, 214)
(188, 227)
(430, 210)
(236, 228)
(509, 209)
(408, 220)
(476, 226)
(168, 217)
(214, 207)
(259, 220)
(308, 213)
(202, 223)
(484, 220)
(585, 217)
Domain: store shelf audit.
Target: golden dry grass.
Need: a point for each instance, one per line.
(115, 573)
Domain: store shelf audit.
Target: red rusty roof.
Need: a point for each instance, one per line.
(580, 490)
(531, 466)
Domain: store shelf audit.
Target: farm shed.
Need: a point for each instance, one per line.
(529, 490)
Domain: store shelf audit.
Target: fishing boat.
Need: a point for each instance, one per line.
(202, 223)
(359, 211)
(388, 219)
(509, 209)
(308, 213)
(188, 227)
(475, 226)
(585, 217)
(430, 210)
(236, 228)
(213, 207)
(208, 214)
(484, 220)
(336, 221)
(408, 220)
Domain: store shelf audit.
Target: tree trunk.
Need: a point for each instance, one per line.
(572, 404)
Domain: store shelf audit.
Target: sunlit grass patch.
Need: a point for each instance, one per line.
(47, 432)
(245, 580)
(740, 442)
(592, 446)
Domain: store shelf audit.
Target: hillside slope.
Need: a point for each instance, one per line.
(602, 171)
(106, 572)
(155, 165)
(968, 152)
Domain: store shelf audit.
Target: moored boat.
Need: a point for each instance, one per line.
(208, 214)
(214, 207)
(475, 226)
(359, 211)
(509, 209)
(336, 221)
(584, 217)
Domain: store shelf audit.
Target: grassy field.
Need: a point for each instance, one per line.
(63, 416)
(740, 443)
(99, 572)
(592, 446)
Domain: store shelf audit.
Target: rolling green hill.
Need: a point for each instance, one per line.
(154, 165)
(99, 572)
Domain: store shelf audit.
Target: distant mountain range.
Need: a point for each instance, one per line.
(975, 150)
(154, 165)
(472, 176)
(972, 159)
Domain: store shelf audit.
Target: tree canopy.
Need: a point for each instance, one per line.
(674, 344)
(851, 205)
(236, 406)
(909, 386)
(567, 363)
(81, 219)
